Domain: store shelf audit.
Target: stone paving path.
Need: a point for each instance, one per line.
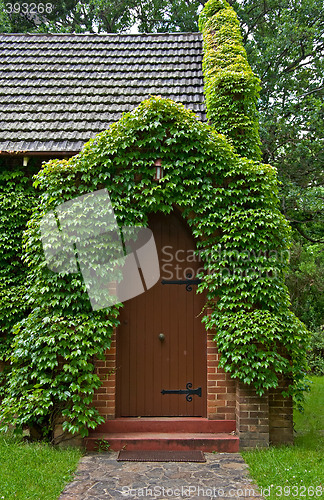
(100, 476)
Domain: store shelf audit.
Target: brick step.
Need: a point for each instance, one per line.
(172, 441)
(166, 424)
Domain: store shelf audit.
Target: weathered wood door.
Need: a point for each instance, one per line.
(161, 342)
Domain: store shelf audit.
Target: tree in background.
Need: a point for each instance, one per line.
(67, 16)
(285, 45)
(101, 16)
(284, 40)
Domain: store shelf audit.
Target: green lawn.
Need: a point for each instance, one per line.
(296, 471)
(35, 471)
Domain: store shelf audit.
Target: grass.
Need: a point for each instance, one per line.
(292, 471)
(35, 471)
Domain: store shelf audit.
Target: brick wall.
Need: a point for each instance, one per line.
(280, 415)
(252, 417)
(259, 420)
(221, 389)
(105, 397)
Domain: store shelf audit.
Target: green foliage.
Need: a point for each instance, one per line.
(231, 88)
(68, 16)
(17, 198)
(305, 281)
(53, 370)
(311, 419)
(4, 19)
(231, 205)
(50, 360)
(284, 43)
(101, 445)
(167, 15)
(97, 16)
(315, 356)
(252, 349)
(209, 10)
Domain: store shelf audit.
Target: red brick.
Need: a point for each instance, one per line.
(100, 404)
(223, 383)
(101, 390)
(104, 370)
(249, 421)
(100, 364)
(214, 376)
(219, 402)
(226, 397)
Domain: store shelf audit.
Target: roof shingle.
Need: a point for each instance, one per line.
(59, 90)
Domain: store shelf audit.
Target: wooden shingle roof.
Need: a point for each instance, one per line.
(59, 90)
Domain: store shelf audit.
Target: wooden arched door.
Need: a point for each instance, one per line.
(161, 342)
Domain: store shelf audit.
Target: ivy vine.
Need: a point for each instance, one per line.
(231, 88)
(17, 198)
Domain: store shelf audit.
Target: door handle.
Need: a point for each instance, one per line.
(161, 337)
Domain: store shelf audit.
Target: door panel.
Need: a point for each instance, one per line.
(145, 364)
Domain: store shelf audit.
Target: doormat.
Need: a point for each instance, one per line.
(160, 456)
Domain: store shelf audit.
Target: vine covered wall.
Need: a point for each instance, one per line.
(231, 87)
(17, 198)
(230, 203)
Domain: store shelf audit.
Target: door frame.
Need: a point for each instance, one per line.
(183, 239)
(221, 388)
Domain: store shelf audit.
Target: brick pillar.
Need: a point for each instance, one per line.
(221, 392)
(105, 397)
(212, 377)
(280, 415)
(252, 417)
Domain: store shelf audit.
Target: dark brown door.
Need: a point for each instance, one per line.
(161, 342)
